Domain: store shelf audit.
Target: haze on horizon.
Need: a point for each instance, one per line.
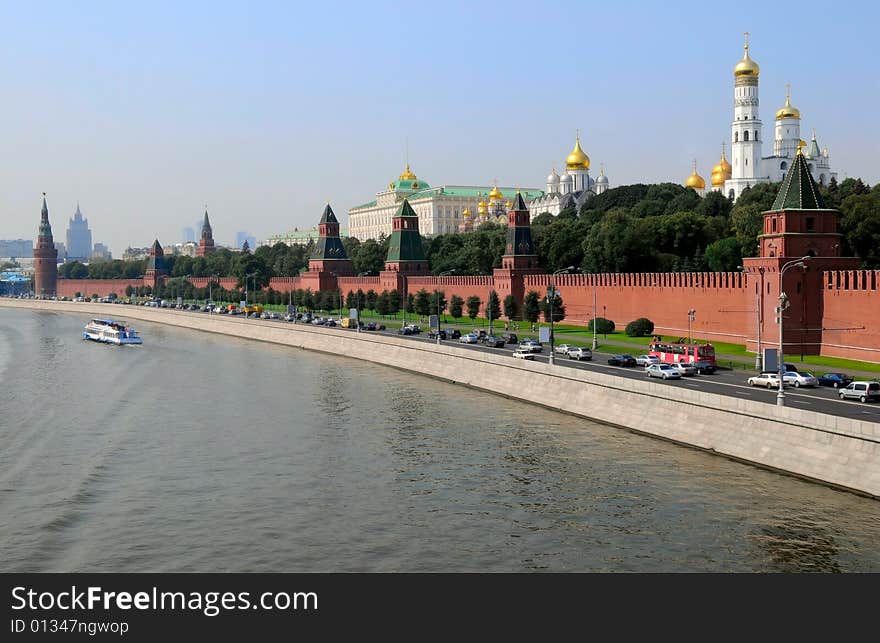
(146, 113)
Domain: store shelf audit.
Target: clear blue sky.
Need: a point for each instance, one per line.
(144, 112)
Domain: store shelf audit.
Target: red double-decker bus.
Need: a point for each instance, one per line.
(700, 355)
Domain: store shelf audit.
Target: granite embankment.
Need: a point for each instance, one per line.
(838, 451)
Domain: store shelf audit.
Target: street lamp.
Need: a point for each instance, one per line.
(595, 313)
(437, 296)
(551, 295)
(783, 304)
(604, 334)
(246, 277)
(759, 314)
(692, 315)
(211, 294)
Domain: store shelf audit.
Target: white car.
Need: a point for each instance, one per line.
(663, 371)
(562, 349)
(647, 360)
(531, 346)
(770, 380)
(798, 379)
(469, 338)
(521, 353)
(579, 353)
(685, 368)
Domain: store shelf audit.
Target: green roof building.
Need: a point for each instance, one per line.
(405, 252)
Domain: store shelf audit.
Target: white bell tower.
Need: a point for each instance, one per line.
(745, 130)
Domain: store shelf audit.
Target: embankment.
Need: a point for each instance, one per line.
(838, 451)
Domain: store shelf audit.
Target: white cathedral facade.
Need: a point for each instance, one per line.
(573, 187)
(748, 165)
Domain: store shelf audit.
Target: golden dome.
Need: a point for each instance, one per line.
(495, 194)
(787, 110)
(695, 181)
(466, 213)
(509, 204)
(407, 174)
(722, 171)
(746, 67)
(577, 160)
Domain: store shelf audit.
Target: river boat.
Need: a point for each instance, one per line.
(111, 331)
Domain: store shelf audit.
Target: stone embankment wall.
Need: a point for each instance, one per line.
(834, 450)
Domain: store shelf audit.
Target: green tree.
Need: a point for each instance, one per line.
(371, 298)
(860, 225)
(435, 295)
(473, 306)
(531, 306)
(350, 300)
(603, 326)
(422, 303)
(747, 223)
(456, 305)
(369, 256)
(360, 299)
(383, 306)
(639, 327)
(393, 302)
(511, 307)
(493, 306)
(724, 255)
(558, 308)
(410, 303)
(129, 290)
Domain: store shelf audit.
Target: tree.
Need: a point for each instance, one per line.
(724, 255)
(639, 327)
(558, 308)
(368, 256)
(350, 300)
(371, 298)
(360, 299)
(860, 225)
(531, 306)
(603, 326)
(129, 290)
(511, 307)
(393, 302)
(456, 305)
(747, 222)
(383, 305)
(438, 294)
(493, 306)
(410, 303)
(473, 306)
(422, 303)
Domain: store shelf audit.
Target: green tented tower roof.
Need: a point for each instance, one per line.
(405, 243)
(799, 190)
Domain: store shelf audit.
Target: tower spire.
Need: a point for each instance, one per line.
(746, 46)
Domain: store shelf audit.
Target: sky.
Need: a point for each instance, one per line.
(263, 111)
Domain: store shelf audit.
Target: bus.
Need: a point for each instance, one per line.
(701, 355)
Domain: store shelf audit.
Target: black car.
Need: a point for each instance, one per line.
(511, 338)
(837, 380)
(494, 342)
(404, 330)
(622, 360)
(704, 367)
(432, 334)
(374, 326)
(481, 335)
(455, 334)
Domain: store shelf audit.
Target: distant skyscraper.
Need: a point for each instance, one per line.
(198, 230)
(101, 253)
(62, 251)
(240, 237)
(16, 248)
(79, 238)
(189, 235)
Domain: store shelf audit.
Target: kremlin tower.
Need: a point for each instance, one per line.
(206, 243)
(45, 258)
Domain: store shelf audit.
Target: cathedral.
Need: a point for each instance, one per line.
(749, 165)
(572, 188)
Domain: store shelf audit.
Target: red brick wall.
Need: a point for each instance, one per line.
(100, 287)
(228, 283)
(720, 299)
(851, 323)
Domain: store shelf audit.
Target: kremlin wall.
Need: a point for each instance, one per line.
(834, 307)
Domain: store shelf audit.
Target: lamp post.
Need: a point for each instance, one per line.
(595, 314)
(759, 318)
(551, 295)
(783, 304)
(211, 294)
(246, 277)
(604, 334)
(437, 296)
(692, 315)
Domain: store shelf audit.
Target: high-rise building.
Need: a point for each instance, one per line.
(100, 253)
(16, 248)
(45, 257)
(189, 235)
(241, 236)
(79, 238)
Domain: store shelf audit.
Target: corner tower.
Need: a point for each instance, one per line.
(45, 257)
(206, 243)
(329, 254)
(405, 252)
(520, 257)
(745, 130)
(156, 268)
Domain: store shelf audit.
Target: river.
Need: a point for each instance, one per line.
(199, 452)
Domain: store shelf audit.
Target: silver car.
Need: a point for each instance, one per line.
(663, 371)
(685, 368)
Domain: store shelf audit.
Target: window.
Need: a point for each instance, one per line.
(783, 165)
(768, 285)
(773, 224)
(811, 224)
(756, 135)
(736, 137)
(746, 135)
(799, 288)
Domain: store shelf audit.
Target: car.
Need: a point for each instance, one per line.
(481, 334)
(837, 380)
(331, 323)
(511, 338)
(521, 353)
(415, 329)
(768, 379)
(562, 349)
(621, 360)
(454, 334)
(374, 326)
(307, 318)
(647, 360)
(800, 379)
(704, 367)
(685, 368)
(289, 317)
(265, 315)
(493, 341)
(579, 353)
(432, 334)
(404, 330)
(531, 345)
(470, 338)
(861, 391)
(663, 371)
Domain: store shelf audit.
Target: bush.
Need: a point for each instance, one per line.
(639, 327)
(603, 326)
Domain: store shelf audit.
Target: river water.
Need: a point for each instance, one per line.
(197, 452)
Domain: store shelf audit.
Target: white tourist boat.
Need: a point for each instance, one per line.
(111, 331)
